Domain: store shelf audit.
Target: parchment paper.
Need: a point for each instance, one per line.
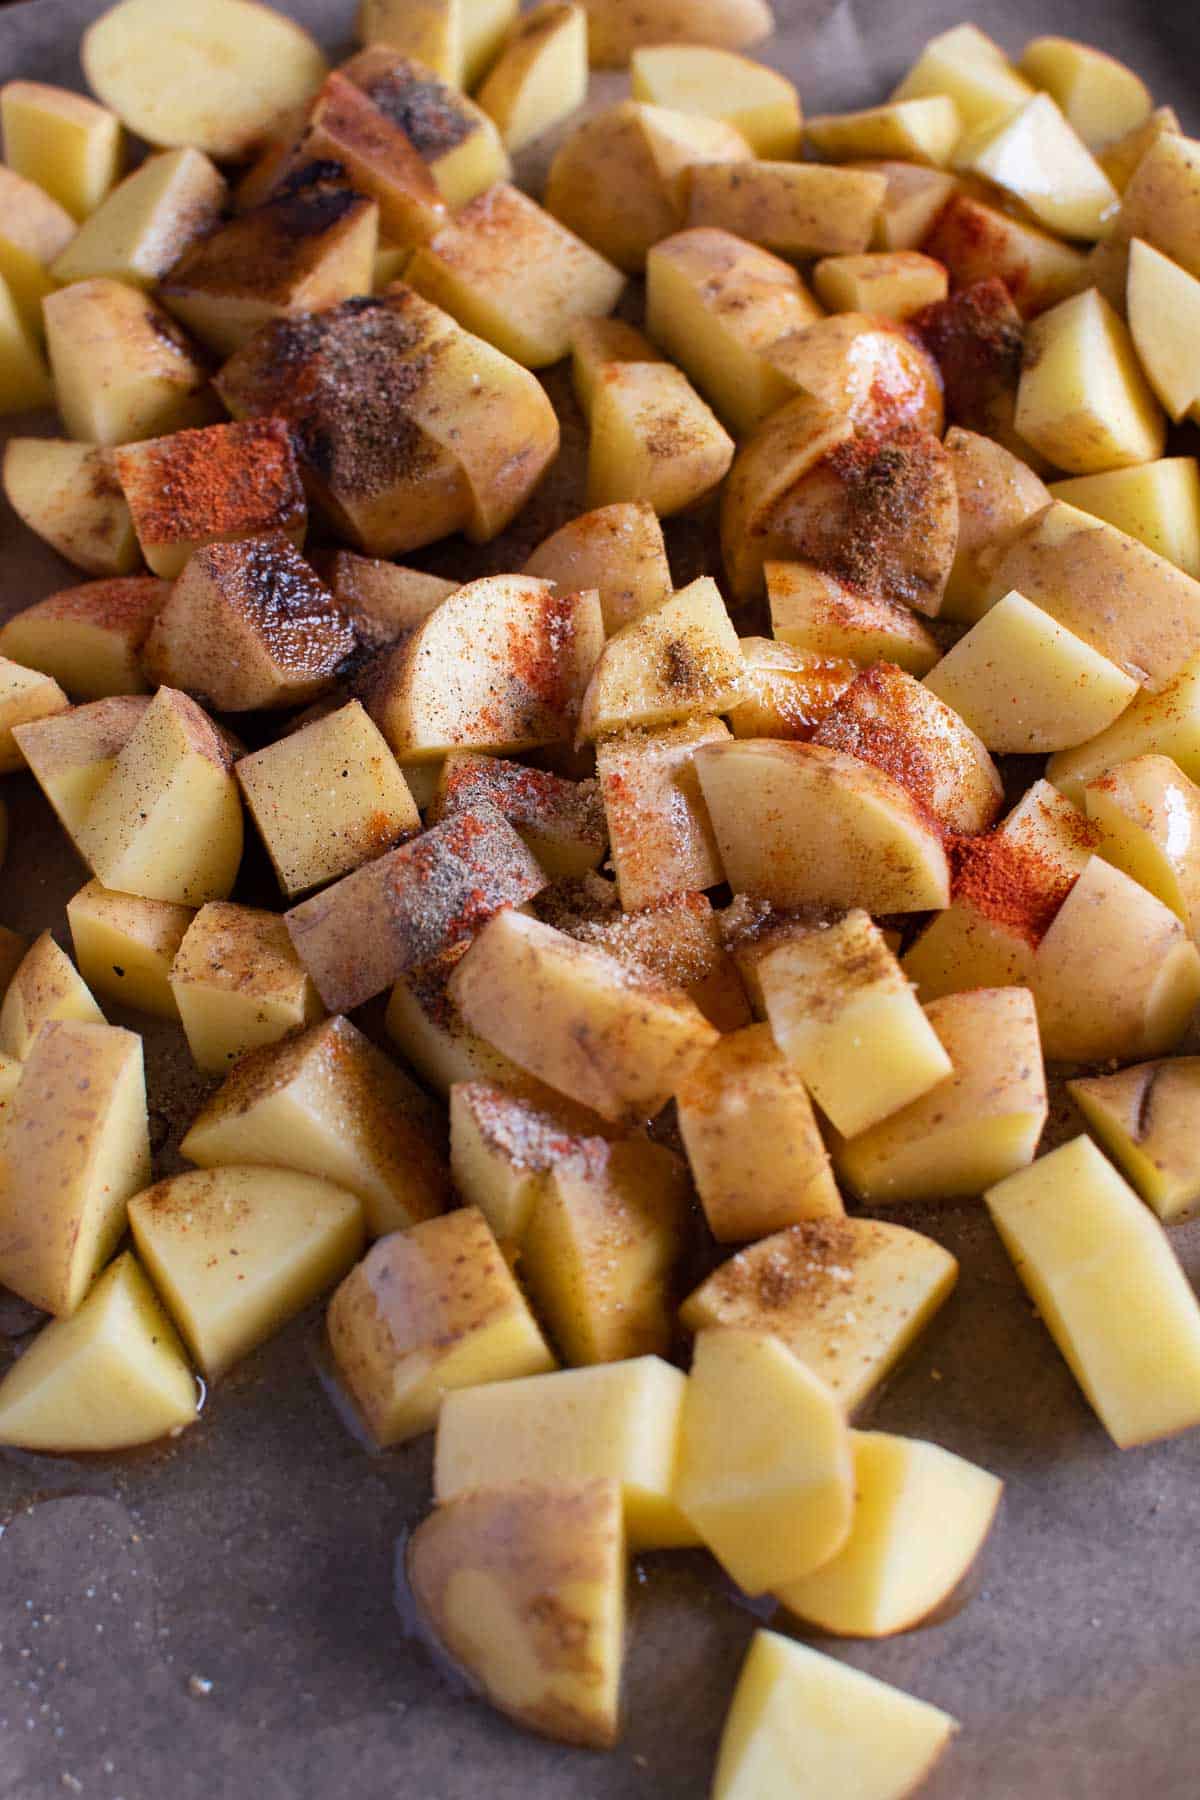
(216, 1621)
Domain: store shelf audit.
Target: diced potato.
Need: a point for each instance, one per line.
(1026, 685)
(1035, 156)
(1120, 158)
(72, 753)
(70, 495)
(89, 638)
(1116, 974)
(429, 30)
(326, 1102)
(111, 1376)
(678, 939)
(24, 379)
(597, 342)
(976, 1127)
(973, 70)
(799, 1718)
(803, 825)
(765, 1472)
(541, 74)
(1145, 1118)
(524, 1588)
(978, 242)
(125, 946)
(577, 1019)
(62, 141)
(76, 1146)
(146, 224)
(616, 1421)
(426, 1311)
(561, 821)
(915, 196)
(1105, 1280)
(1083, 400)
(44, 986)
(122, 368)
(1045, 822)
(382, 600)
(26, 695)
(408, 906)
(680, 660)
(997, 492)
(290, 1236)
(692, 77)
(821, 616)
(505, 1143)
(454, 137)
(784, 693)
(600, 1247)
(920, 1519)
(616, 30)
(502, 665)
(166, 822)
(872, 368)
(1101, 98)
(653, 439)
(477, 268)
(752, 1142)
(843, 1014)
(238, 983)
(795, 209)
(1164, 312)
(1157, 502)
(617, 550)
(1164, 724)
(788, 447)
(847, 1296)
(890, 284)
(220, 76)
(425, 1023)
(1148, 815)
(485, 25)
(922, 130)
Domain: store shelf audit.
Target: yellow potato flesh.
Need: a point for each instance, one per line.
(69, 494)
(72, 753)
(540, 76)
(973, 70)
(1038, 159)
(65, 143)
(683, 658)
(1145, 1118)
(45, 986)
(922, 130)
(1158, 503)
(1163, 303)
(1148, 815)
(125, 946)
(1083, 400)
(762, 104)
(146, 224)
(1099, 96)
(25, 695)
(238, 983)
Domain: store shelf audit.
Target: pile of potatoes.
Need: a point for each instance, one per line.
(696, 910)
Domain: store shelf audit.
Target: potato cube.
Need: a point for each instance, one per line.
(978, 242)
(846, 1019)
(679, 660)
(997, 493)
(238, 983)
(70, 495)
(1164, 724)
(921, 130)
(453, 136)
(915, 196)
(618, 551)
(26, 695)
(122, 368)
(847, 1296)
(562, 822)
(751, 1139)
(1100, 97)
(524, 1588)
(597, 342)
(661, 840)
(615, 1421)
(800, 1717)
(795, 209)
(653, 438)
(1159, 202)
(76, 1146)
(1144, 1117)
(1105, 1280)
(44, 986)
(972, 68)
(784, 693)
(125, 946)
(428, 1310)
(822, 617)
(382, 600)
(146, 223)
(577, 1019)
(700, 78)
(1083, 400)
(347, 129)
(34, 230)
(89, 638)
(505, 1142)
(429, 30)
(1035, 156)
(403, 909)
(62, 141)
(426, 1024)
(166, 822)
(290, 1236)
(920, 1519)
(1120, 157)
(1158, 503)
(1148, 817)
(111, 1376)
(479, 27)
(678, 940)
(765, 1472)
(71, 754)
(889, 284)
(872, 368)
(541, 74)
(477, 268)
(979, 1125)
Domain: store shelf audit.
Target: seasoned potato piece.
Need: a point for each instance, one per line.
(616, 28)
(238, 983)
(146, 224)
(804, 825)
(524, 1588)
(167, 822)
(1165, 724)
(76, 1146)
(346, 131)
(1144, 1117)
(997, 492)
(677, 940)
(889, 284)
(1147, 814)
(44, 986)
(1083, 400)
(1037, 158)
(505, 1142)
(70, 495)
(430, 30)
(681, 659)
(1100, 97)
(89, 638)
(597, 342)
(658, 827)
(62, 141)
(122, 368)
(870, 368)
(973, 70)
(291, 1235)
(71, 754)
(477, 268)
(425, 1023)
(1157, 502)
(978, 242)
(796, 209)
(1105, 1281)
(219, 77)
(751, 1140)
(1164, 307)
(125, 946)
(1121, 157)
(820, 616)
(915, 196)
(619, 551)
(786, 448)
(653, 439)
(561, 821)
(326, 1102)
(715, 304)
(923, 130)
(1159, 202)
(541, 74)
(698, 78)
(428, 1310)
(977, 340)
(454, 137)
(847, 1296)
(784, 693)
(382, 600)
(974, 1128)
(26, 695)
(34, 229)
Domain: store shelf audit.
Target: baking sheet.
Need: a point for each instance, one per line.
(216, 1620)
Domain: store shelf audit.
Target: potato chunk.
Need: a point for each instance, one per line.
(798, 1717)
(1147, 815)
(890, 284)
(679, 660)
(699, 78)
(505, 1142)
(122, 368)
(382, 600)
(26, 696)
(678, 940)
(541, 74)
(238, 983)
(326, 1102)
(997, 493)
(62, 141)
(1158, 503)
(661, 839)
(1159, 202)
(24, 380)
(616, 29)
(455, 138)
(920, 1519)
(89, 638)
(71, 753)
(347, 130)
(561, 821)
(111, 1376)
(1083, 400)
(619, 551)
(616, 1421)
(823, 617)
(1163, 303)
(922, 130)
(653, 438)
(973, 70)
(847, 1296)
(784, 693)
(1035, 156)
(76, 1146)
(70, 495)
(428, 1310)
(146, 223)
(978, 242)
(915, 196)
(1099, 96)
(868, 367)
(44, 986)
(795, 209)
(432, 31)
(125, 946)
(765, 1472)
(524, 1588)
(1105, 1280)
(1144, 1118)
(426, 1024)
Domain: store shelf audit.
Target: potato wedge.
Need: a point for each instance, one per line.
(973, 70)
(541, 74)
(661, 839)
(795, 209)
(1038, 159)
(62, 141)
(26, 696)
(1147, 815)
(125, 945)
(693, 77)
(1142, 1118)
(89, 638)
(822, 617)
(1163, 302)
(71, 753)
(680, 660)
(618, 550)
(69, 494)
(1099, 96)
(997, 493)
(1083, 400)
(144, 226)
(454, 138)
(1158, 503)
(44, 986)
